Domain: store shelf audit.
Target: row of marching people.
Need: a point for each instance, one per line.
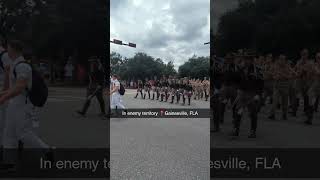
(246, 81)
(174, 89)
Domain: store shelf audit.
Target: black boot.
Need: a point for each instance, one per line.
(153, 96)
(252, 134)
(85, 108)
(184, 101)
(136, 95)
(161, 98)
(284, 116)
(309, 113)
(235, 132)
(272, 117)
(316, 104)
(172, 99)
(144, 97)
(236, 124)
(189, 99)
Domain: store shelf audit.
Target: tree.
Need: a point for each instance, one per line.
(195, 67)
(270, 26)
(169, 69)
(57, 27)
(140, 66)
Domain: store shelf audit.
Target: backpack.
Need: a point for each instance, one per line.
(1, 63)
(38, 94)
(122, 90)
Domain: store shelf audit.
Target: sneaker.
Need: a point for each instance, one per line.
(80, 113)
(307, 122)
(272, 117)
(252, 134)
(102, 114)
(284, 117)
(235, 132)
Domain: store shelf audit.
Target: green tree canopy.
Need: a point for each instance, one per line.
(195, 67)
(140, 66)
(270, 26)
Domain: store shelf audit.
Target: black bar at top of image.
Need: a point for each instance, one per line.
(264, 163)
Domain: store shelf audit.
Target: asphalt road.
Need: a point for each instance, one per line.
(62, 128)
(291, 133)
(140, 148)
(159, 148)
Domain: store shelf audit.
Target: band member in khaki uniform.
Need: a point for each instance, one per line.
(268, 78)
(206, 88)
(304, 81)
(314, 91)
(282, 75)
(316, 105)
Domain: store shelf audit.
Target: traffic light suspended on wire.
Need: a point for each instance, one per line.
(119, 42)
(116, 41)
(132, 45)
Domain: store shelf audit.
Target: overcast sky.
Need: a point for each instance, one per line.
(168, 29)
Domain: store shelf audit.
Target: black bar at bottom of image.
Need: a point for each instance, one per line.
(264, 163)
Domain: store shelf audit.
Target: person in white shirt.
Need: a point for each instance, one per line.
(116, 100)
(68, 71)
(18, 116)
(4, 85)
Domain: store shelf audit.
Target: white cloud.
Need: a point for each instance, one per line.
(168, 29)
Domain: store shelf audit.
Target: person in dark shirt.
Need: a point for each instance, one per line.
(97, 83)
(247, 97)
(179, 90)
(188, 91)
(147, 88)
(158, 88)
(139, 90)
(216, 103)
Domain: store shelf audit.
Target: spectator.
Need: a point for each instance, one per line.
(68, 71)
(131, 84)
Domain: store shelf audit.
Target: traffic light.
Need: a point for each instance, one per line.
(116, 41)
(132, 45)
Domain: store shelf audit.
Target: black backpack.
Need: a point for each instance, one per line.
(38, 94)
(122, 90)
(1, 63)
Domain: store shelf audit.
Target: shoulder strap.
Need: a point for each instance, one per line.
(1, 62)
(14, 69)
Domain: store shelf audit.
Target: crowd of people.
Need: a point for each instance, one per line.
(174, 89)
(247, 81)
